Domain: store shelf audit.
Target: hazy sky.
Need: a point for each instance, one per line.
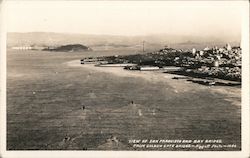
(125, 18)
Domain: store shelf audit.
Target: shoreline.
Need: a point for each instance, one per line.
(119, 71)
(152, 76)
(180, 86)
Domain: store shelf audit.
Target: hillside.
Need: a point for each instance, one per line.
(70, 48)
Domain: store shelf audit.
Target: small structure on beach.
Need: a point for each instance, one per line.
(149, 68)
(93, 61)
(116, 65)
(172, 68)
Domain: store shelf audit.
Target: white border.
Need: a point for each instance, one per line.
(245, 80)
(145, 154)
(2, 80)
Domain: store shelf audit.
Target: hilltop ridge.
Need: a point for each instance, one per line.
(70, 48)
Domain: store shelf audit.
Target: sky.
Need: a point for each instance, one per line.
(125, 18)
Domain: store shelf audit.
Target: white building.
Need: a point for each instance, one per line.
(228, 47)
(206, 49)
(193, 51)
(22, 48)
(149, 68)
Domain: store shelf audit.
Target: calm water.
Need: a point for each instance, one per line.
(46, 96)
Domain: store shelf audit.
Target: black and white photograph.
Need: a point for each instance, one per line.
(125, 77)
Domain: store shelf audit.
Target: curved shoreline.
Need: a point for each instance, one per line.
(152, 76)
(180, 86)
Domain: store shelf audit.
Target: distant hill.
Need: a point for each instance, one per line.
(109, 42)
(70, 48)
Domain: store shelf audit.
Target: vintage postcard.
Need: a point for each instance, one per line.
(124, 78)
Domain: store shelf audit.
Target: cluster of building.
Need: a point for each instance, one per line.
(28, 47)
(224, 63)
(226, 56)
(22, 48)
(233, 73)
(215, 62)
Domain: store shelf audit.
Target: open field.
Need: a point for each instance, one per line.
(46, 92)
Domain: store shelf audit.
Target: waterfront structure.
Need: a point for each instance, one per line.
(149, 68)
(172, 68)
(22, 48)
